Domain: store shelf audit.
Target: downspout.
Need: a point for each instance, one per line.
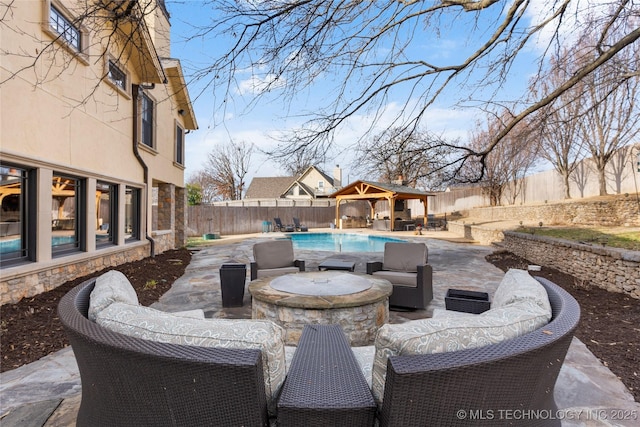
(145, 168)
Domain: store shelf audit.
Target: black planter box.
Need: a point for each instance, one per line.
(232, 280)
(467, 301)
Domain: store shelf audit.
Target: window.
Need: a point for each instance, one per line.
(67, 214)
(16, 244)
(107, 214)
(320, 186)
(132, 214)
(179, 145)
(117, 76)
(65, 29)
(147, 121)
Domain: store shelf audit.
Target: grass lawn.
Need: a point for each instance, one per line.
(617, 237)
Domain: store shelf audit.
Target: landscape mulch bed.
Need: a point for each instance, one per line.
(31, 329)
(609, 325)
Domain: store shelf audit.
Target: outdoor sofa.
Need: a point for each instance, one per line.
(131, 381)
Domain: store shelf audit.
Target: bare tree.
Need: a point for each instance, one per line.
(507, 164)
(398, 153)
(618, 164)
(226, 167)
(299, 161)
(288, 45)
(613, 117)
(558, 122)
(208, 191)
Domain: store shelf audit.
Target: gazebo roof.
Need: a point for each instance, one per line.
(368, 190)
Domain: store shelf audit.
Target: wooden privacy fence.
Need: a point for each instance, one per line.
(239, 219)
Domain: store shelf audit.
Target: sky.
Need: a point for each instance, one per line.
(259, 124)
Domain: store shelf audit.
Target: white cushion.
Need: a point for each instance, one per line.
(110, 287)
(150, 324)
(364, 356)
(196, 313)
(453, 333)
(518, 285)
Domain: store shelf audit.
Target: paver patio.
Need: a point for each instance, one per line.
(586, 392)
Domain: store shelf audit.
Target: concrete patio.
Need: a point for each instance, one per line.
(47, 392)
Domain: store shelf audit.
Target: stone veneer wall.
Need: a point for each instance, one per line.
(619, 210)
(360, 323)
(164, 240)
(613, 269)
(15, 287)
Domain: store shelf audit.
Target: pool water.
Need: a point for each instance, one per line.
(14, 245)
(340, 242)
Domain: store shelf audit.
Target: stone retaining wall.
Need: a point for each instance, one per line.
(613, 269)
(23, 284)
(482, 235)
(617, 210)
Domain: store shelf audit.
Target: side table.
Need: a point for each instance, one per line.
(335, 264)
(325, 385)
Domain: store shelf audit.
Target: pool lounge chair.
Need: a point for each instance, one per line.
(298, 227)
(280, 227)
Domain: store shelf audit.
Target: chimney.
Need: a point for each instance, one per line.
(337, 177)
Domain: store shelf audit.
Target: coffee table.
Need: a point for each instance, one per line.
(357, 302)
(336, 264)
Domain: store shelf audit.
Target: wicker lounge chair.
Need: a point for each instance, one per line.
(405, 266)
(133, 382)
(274, 258)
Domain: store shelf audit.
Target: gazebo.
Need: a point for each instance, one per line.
(374, 191)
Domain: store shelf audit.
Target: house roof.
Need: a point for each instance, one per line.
(180, 92)
(268, 187)
(379, 190)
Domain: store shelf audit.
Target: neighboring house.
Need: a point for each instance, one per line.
(311, 184)
(90, 128)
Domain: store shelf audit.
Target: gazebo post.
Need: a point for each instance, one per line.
(426, 217)
(392, 208)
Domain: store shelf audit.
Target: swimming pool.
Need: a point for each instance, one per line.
(340, 242)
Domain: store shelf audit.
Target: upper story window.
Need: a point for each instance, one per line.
(117, 76)
(146, 115)
(320, 186)
(67, 31)
(179, 145)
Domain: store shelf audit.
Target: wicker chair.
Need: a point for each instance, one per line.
(517, 374)
(132, 382)
(405, 266)
(274, 258)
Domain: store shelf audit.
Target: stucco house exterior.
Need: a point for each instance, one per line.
(93, 117)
